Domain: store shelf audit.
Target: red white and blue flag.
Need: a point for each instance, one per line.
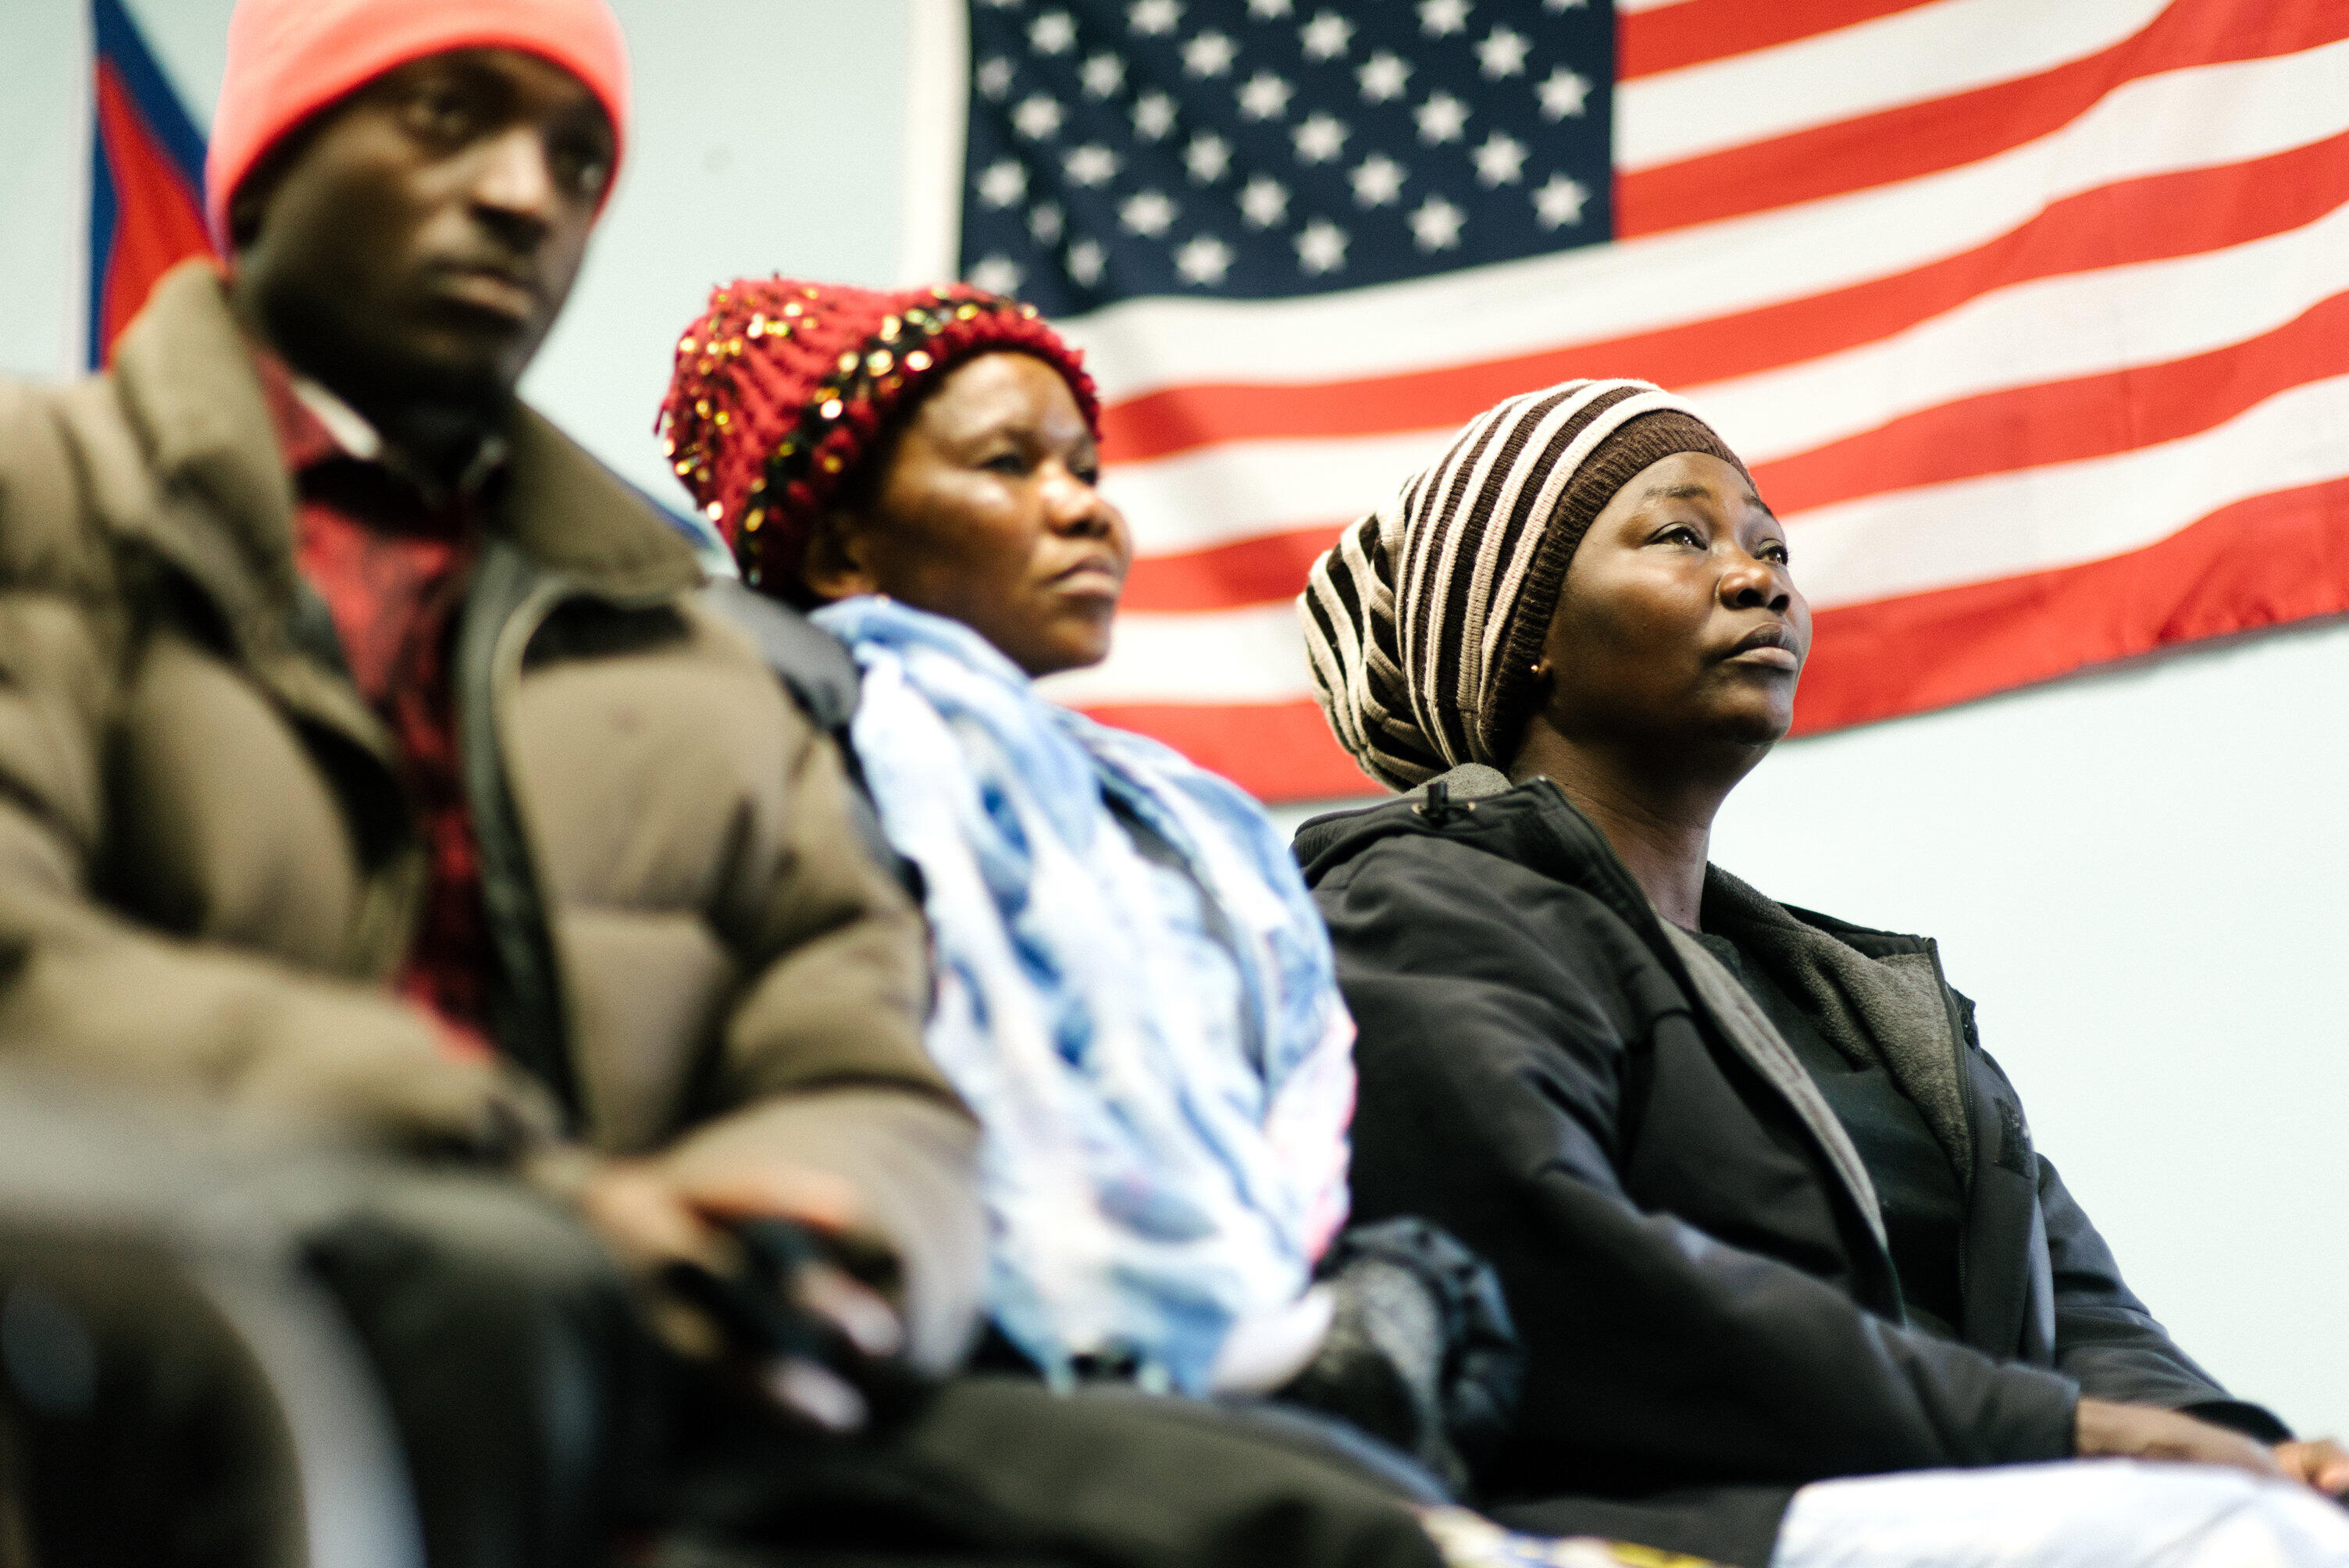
(147, 178)
(2032, 316)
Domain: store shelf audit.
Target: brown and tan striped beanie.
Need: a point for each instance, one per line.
(1424, 620)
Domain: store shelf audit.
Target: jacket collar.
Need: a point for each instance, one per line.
(575, 516)
(1877, 996)
(1535, 825)
(187, 380)
(1532, 823)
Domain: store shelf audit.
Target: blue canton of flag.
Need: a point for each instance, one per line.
(1266, 149)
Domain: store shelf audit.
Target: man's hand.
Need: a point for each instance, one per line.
(655, 1212)
(2103, 1428)
(2320, 1463)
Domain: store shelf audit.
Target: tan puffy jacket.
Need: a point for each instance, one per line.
(207, 872)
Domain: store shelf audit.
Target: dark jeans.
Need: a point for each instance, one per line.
(995, 1466)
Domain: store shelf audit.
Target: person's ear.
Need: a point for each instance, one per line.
(833, 566)
(1542, 699)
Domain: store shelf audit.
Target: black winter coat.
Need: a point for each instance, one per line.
(1711, 1318)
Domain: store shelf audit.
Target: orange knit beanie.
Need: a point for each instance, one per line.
(287, 59)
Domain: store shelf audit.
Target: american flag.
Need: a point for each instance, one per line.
(2032, 316)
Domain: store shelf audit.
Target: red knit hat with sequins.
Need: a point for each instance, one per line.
(784, 387)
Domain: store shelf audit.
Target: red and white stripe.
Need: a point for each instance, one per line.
(2031, 318)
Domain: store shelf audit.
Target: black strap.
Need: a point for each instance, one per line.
(526, 1003)
(820, 673)
(815, 665)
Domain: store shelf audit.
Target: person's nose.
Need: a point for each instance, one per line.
(514, 183)
(1750, 582)
(1077, 506)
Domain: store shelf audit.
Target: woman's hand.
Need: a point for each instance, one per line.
(2320, 1463)
(2105, 1428)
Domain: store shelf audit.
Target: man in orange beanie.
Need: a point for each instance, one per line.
(370, 761)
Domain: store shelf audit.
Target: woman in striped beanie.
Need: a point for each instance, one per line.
(1771, 1221)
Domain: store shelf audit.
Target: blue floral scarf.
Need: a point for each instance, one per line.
(1156, 1048)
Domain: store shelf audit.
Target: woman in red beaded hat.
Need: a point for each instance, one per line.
(1136, 994)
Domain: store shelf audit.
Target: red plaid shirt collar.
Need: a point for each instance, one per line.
(313, 426)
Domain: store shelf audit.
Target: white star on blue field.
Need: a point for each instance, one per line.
(1263, 149)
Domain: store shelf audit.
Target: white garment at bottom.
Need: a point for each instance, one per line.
(2094, 1513)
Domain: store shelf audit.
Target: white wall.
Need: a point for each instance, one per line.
(2142, 876)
